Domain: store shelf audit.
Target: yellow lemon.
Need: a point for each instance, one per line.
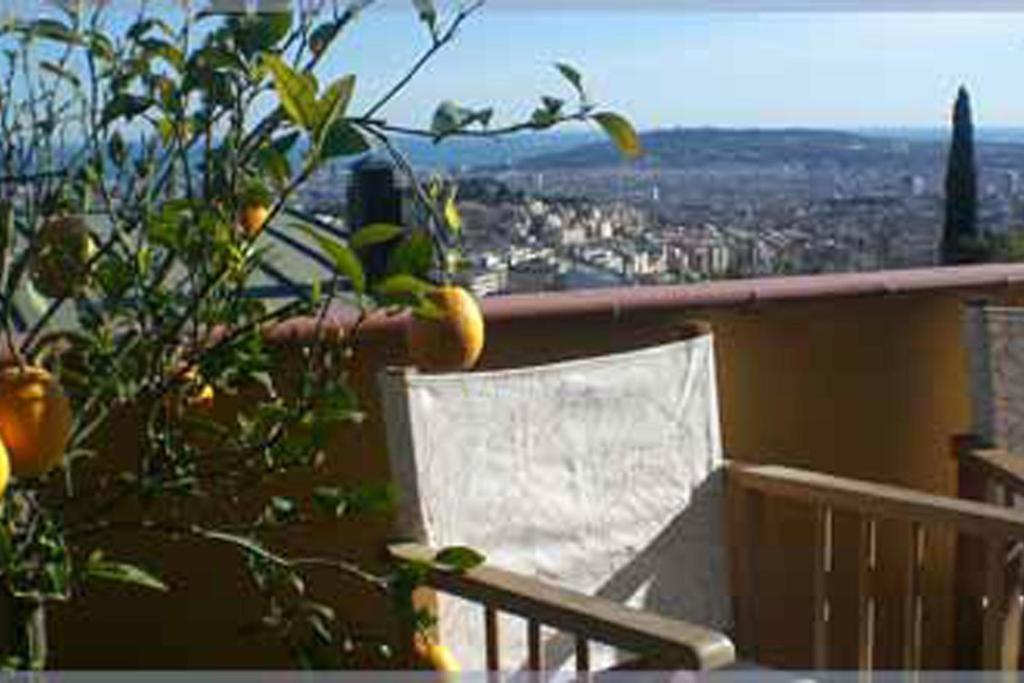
(35, 420)
(454, 340)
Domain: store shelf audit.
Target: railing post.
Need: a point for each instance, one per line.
(822, 571)
(493, 641)
(535, 656)
(1002, 626)
(746, 511)
(969, 569)
(1000, 632)
(913, 607)
(867, 558)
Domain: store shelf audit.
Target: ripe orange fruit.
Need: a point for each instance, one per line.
(455, 340)
(35, 420)
(436, 657)
(252, 219)
(63, 249)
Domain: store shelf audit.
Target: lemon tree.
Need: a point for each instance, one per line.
(142, 163)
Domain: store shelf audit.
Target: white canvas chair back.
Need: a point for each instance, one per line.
(601, 475)
(995, 341)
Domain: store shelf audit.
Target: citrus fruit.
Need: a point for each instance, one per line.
(5, 468)
(192, 390)
(60, 264)
(35, 420)
(451, 341)
(436, 657)
(252, 218)
(203, 398)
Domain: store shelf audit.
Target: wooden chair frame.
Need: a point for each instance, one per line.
(663, 643)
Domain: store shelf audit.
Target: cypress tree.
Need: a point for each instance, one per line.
(960, 239)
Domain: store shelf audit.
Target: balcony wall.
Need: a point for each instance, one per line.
(858, 375)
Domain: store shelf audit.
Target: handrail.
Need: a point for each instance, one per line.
(880, 500)
(670, 641)
(999, 464)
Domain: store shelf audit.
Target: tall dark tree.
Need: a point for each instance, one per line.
(961, 242)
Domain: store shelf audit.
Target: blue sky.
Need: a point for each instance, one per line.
(675, 67)
(667, 68)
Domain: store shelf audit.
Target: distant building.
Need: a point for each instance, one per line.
(1010, 184)
(913, 185)
(486, 282)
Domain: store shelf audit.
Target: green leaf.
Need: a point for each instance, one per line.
(459, 558)
(334, 103)
(452, 217)
(280, 510)
(161, 48)
(621, 133)
(246, 544)
(552, 104)
(428, 310)
(125, 106)
(320, 628)
(336, 501)
(54, 30)
(375, 233)
(404, 285)
(117, 149)
(427, 12)
(61, 73)
(275, 164)
(573, 76)
(412, 256)
(342, 139)
(99, 568)
(260, 31)
(144, 26)
(6, 233)
(297, 92)
(345, 261)
(450, 118)
(323, 35)
(100, 46)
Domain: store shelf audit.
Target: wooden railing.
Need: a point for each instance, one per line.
(661, 642)
(996, 477)
(992, 526)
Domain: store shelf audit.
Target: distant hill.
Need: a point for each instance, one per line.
(453, 154)
(688, 147)
(681, 148)
(989, 134)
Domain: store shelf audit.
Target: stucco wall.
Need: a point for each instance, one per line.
(871, 386)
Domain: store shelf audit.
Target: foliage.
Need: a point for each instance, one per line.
(960, 239)
(160, 133)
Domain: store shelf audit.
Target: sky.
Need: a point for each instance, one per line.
(669, 68)
(686, 66)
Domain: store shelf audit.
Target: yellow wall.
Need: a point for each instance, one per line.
(870, 387)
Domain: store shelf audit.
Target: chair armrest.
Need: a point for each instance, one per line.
(670, 641)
